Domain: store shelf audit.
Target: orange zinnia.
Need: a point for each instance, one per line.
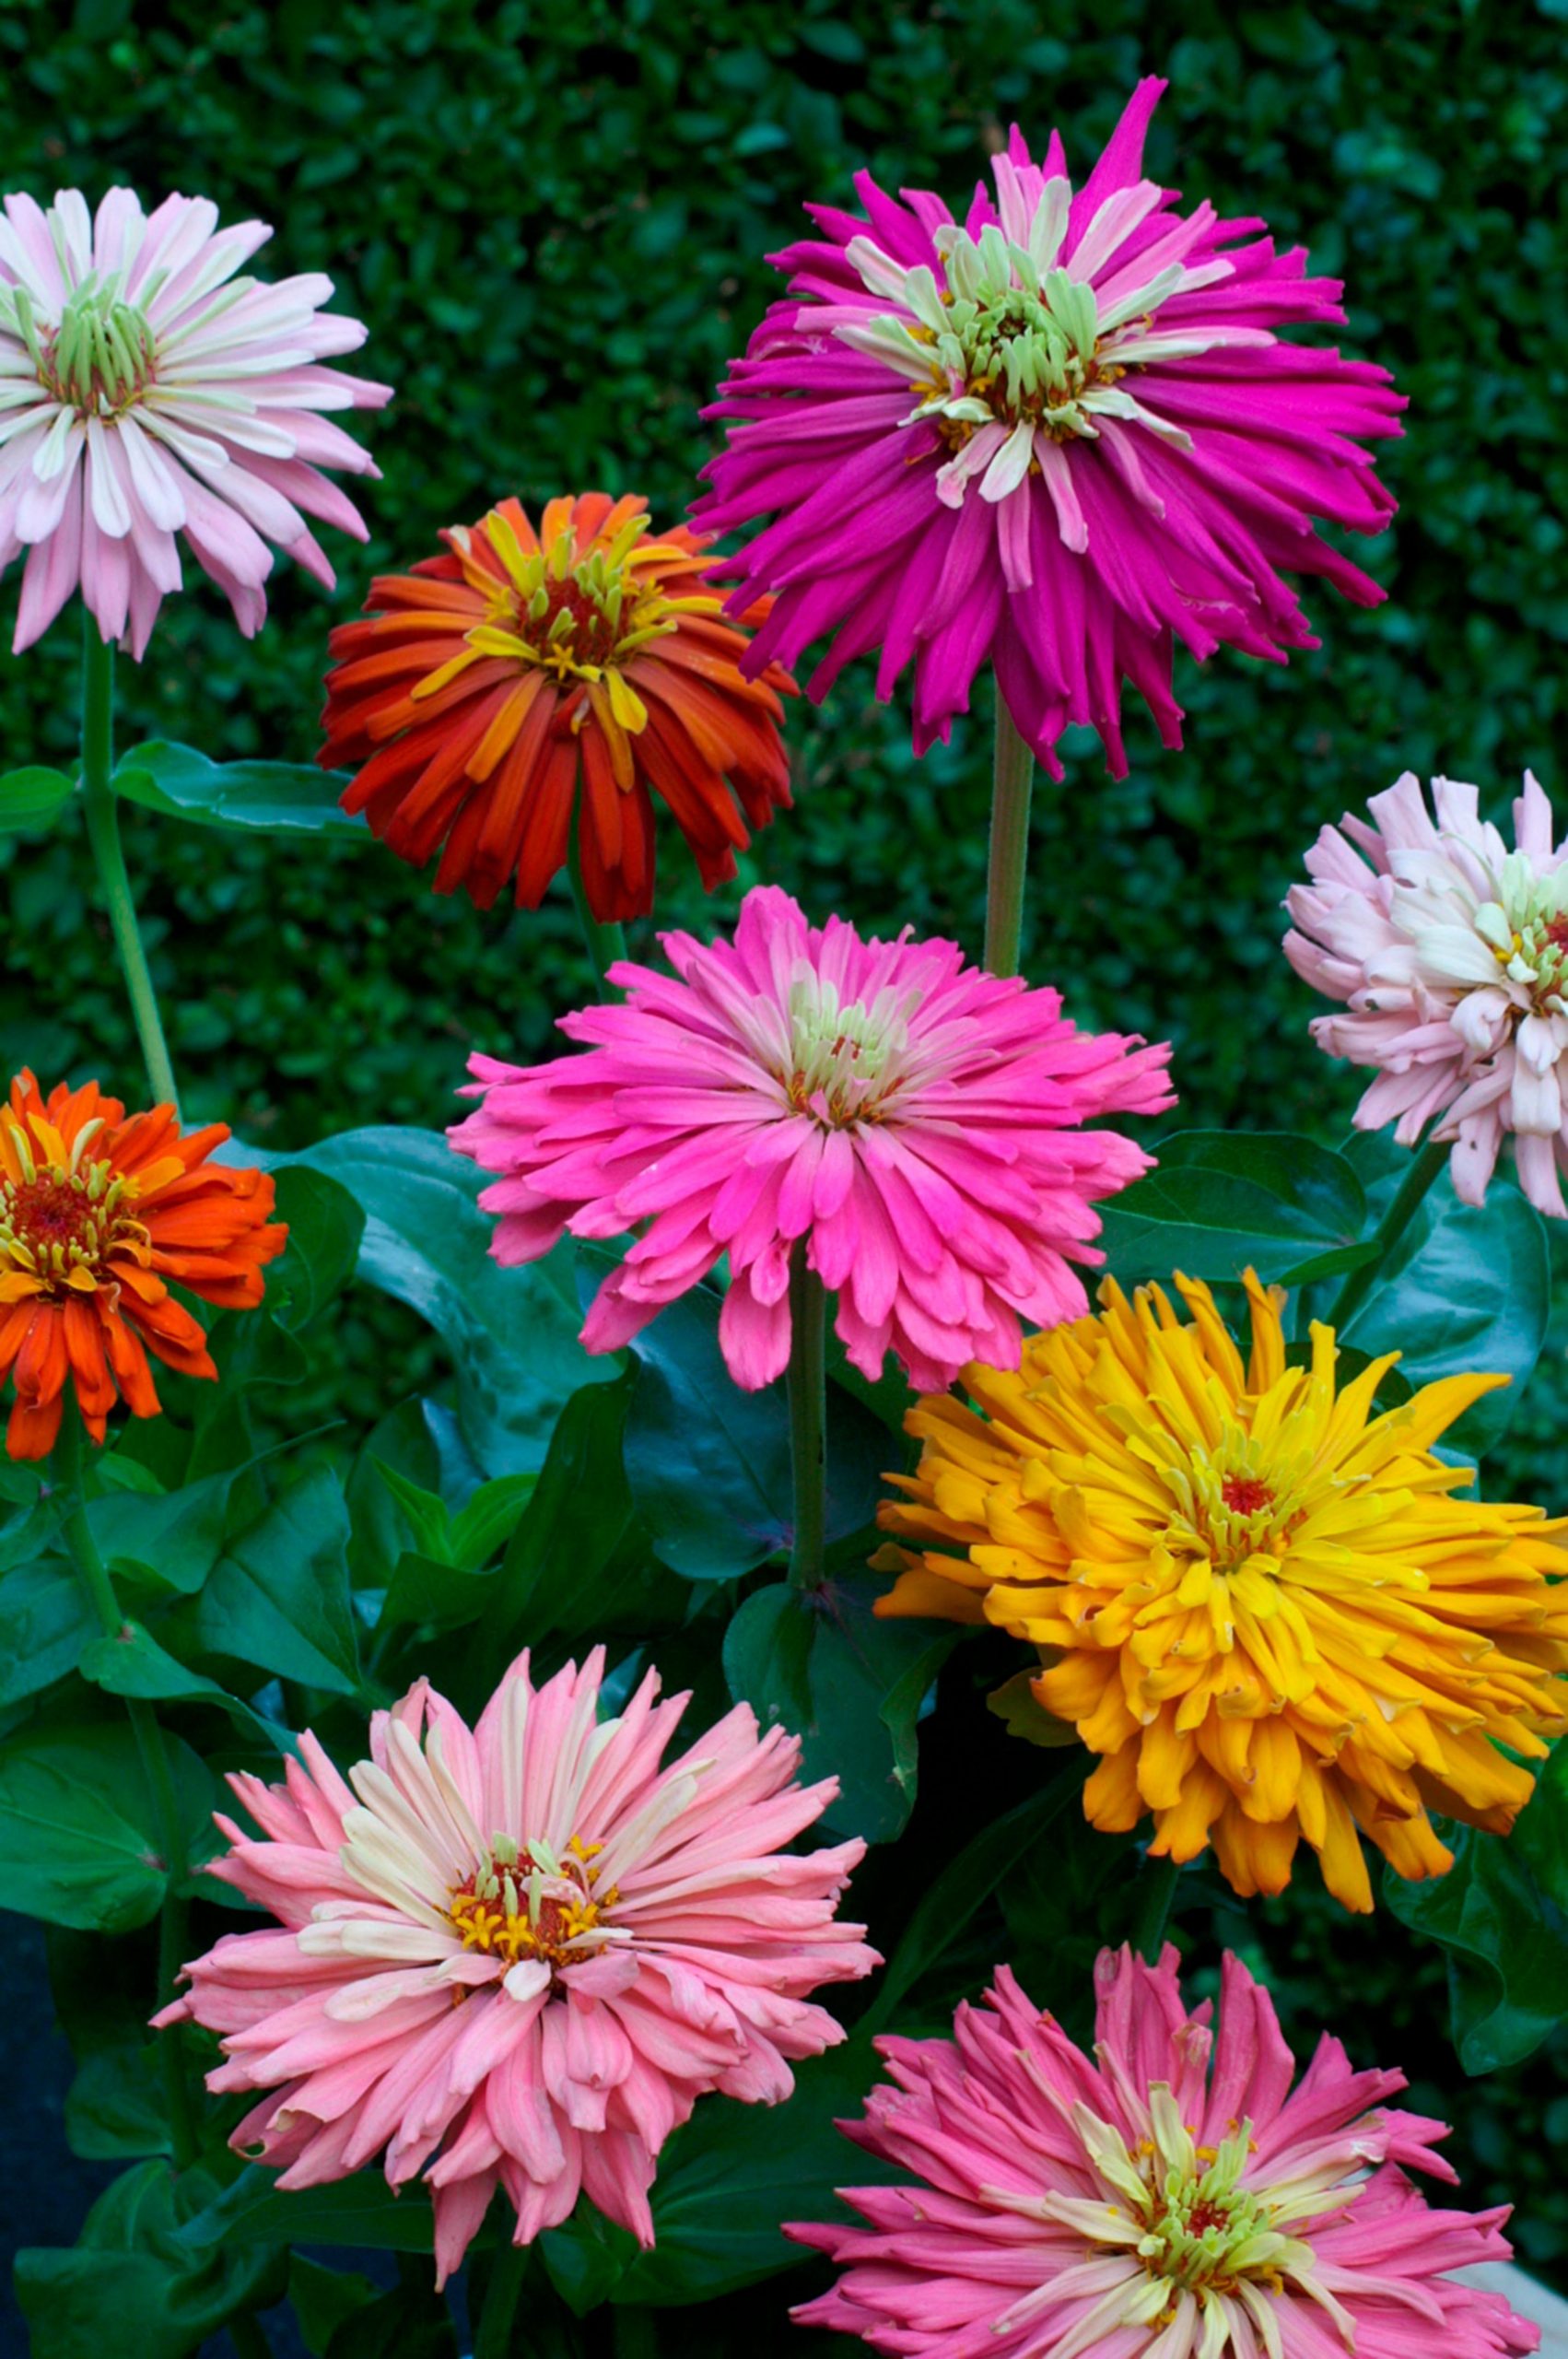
(481, 677)
(96, 1214)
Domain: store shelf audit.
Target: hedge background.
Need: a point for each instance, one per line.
(554, 223)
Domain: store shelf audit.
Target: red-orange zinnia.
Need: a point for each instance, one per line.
(96, 1214)
(480, 679)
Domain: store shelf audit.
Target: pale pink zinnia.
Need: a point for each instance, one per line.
(1055, 440)
(517, 1956)
(148, 393)
(1171, 2197)
(917, 1120)
(1450, 952)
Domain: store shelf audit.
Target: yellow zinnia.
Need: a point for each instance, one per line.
(1260, 1603)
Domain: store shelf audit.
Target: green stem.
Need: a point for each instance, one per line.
(1389, 1230)
(807, 1386)
(248, 2337)
(503, 2292)
(1012, 783)
(103, 813)
(1156, 1890)
(605, 943)
(172, 1944)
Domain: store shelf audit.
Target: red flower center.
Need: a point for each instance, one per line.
(589, 636)
(1557, 932)
(1243, 1496)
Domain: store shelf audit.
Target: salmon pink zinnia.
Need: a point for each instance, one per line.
(517, 1956)
(1449, 950)
(146, 393)
(1055, 440)
(919, 1120)
(1171, 2197)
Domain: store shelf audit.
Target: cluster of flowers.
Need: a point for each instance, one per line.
(1049, 440)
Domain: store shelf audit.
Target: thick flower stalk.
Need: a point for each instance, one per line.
(99, 1214)
(1175, 2194)
(1448, 949)
(147, 395)
(524, 675)
(517, 1956)
(1055, 439)
(1259, 1602)
(918, 1123)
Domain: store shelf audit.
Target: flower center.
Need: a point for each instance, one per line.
(1227, 1504)
(574, 617)
(1205, 2234)
(62, 1219)
(524, 1902)
(1526, 928)
(844, 1059)
(101, 355)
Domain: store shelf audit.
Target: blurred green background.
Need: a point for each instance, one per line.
(554, 222)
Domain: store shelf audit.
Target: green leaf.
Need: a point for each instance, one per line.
(726, 2182)
(1220, 1203)
(362, 2211)
(278, 1598)
(820, 1663)
(1501, 1914)
(114, 2109)
(33, 798)
(77, 1845)
(411, 2323)
(951, 1899)
(174, 1537)
(276, 797)
(710, 1464)
(1466, 1288)
(325, 1225)
(129, 2285)
(133, 1663)
(323, 2298)
(511, 1334)
(431, 1593)
(44, 1624)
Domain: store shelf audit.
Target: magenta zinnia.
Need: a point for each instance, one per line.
(1448, 949)
(1170, 2197)
(1055, 439)
(913, 1124)
(147, 395)
(517, 1956)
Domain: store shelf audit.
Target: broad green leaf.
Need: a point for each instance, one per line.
(174, 1536)
(114, 2109)
(1468, 1287)
(33, 798)
(325, 1225)
(434, 1594)
(579, 1567)
(727, 2182)
(278, 1598)
(77, 1827)
(1501, 1914)
(133, 1663)
(129, 2285)
(362, 2211)
(45, 1622)
(276, 797)
(321, 2298)
(1220, 1203)
(511, 1334)
(820, 1663)
(411, 2323)
(710, 1464)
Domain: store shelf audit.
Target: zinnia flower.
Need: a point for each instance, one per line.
(1169, 2196)
(97, 1214)
(917, 1120)
(1256, 1600)
(1053, 439)
(1450, 953)
(145, 393)
(518, 1955)
(492, 680)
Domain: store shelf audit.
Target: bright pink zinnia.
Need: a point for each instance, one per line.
(146, 392)
(1053, 439)
(1450, 952)
(517, 1956)
(918, 1119)
(1171, 2198)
